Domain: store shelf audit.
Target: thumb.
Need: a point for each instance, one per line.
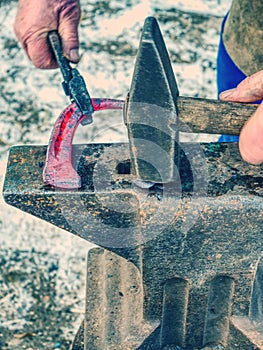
(68, 30)
(249, 90)
(251, 141)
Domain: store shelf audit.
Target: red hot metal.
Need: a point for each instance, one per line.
(59, 171)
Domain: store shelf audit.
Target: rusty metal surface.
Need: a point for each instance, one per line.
(222, 245)
(151, 115)
(225, 176)
(114, 320)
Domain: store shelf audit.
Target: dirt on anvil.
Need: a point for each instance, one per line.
(42, 269)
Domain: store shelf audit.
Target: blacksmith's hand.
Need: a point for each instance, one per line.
(251, 137)
(35, 18)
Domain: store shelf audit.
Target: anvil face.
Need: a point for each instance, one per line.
(215, 191)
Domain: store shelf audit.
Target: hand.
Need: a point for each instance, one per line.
(251, 137)
(35, 18)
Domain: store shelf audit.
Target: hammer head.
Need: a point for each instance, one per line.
(151, 114)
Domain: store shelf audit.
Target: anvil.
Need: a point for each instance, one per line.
(178, 225)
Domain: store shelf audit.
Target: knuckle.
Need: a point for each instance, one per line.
(71, 10)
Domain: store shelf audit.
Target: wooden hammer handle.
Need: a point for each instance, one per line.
(199, 115)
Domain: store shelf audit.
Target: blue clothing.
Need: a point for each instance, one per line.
(228, 76)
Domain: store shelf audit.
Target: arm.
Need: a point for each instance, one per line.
(251, 137)
(36, 18)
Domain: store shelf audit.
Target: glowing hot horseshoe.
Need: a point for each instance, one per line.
(59, 171)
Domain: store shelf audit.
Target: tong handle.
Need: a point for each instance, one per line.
(63, 63)
(74, 85)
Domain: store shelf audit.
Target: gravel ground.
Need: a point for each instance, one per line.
(42, 268)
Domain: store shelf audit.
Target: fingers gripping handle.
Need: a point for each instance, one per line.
(59, 171)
